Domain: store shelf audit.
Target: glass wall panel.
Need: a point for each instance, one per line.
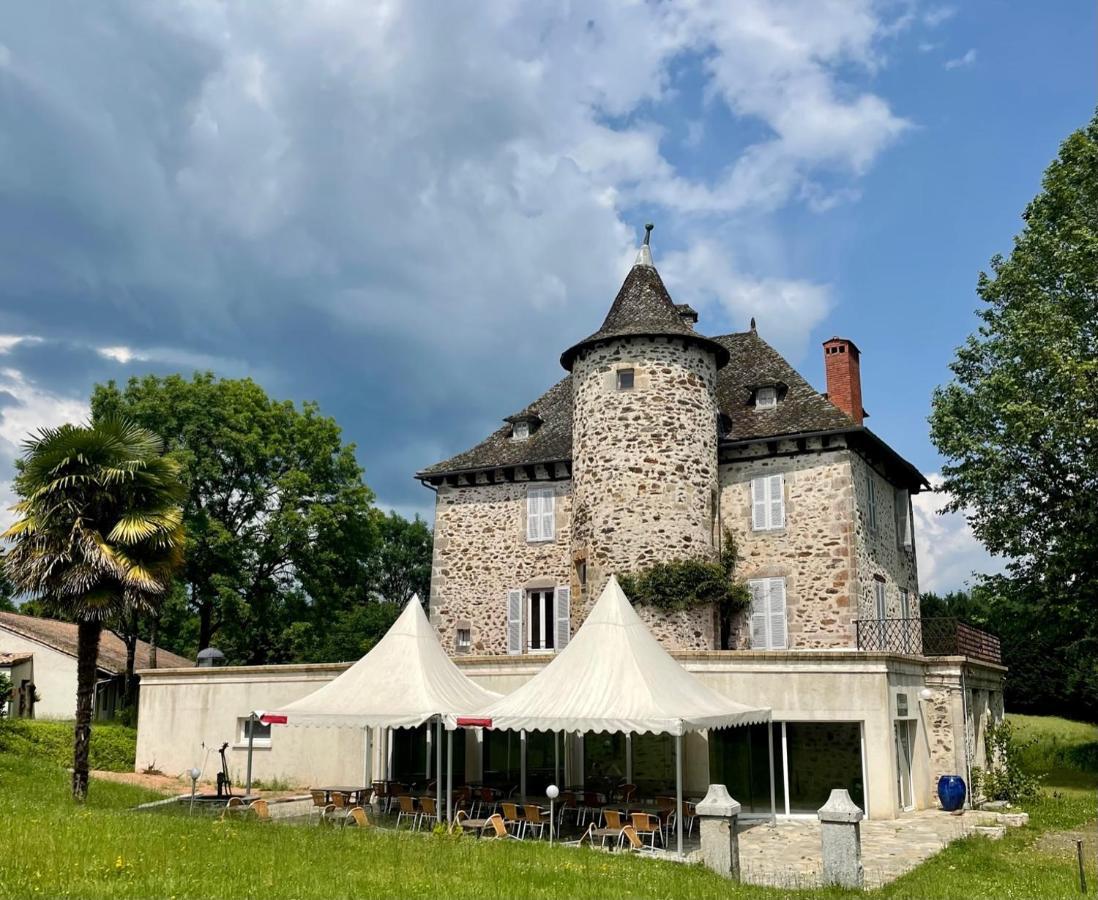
(410, 755)
(739, 758)
(823, 756)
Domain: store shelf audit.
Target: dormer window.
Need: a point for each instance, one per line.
(523, 425)
(626, 379)
(766, 397)
(520, 431)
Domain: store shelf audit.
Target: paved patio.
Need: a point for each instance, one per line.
(788, 854)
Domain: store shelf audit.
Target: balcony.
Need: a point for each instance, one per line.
(928, 637)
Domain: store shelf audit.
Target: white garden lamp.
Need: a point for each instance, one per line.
(552, 792)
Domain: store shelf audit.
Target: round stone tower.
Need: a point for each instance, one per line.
(644, 448)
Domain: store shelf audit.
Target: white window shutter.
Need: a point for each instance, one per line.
(548, 509)
(777, 501)
(563, 613)
(758, 503)
(514, 622)
(871, 501)
(533, 514)
(879, 596)
(758, 614)
(777, 613)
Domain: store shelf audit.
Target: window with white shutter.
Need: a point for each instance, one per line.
(905, 532)
(905, 604)
(540, 514)
(768, 502)
(514, 622)
(563, 603)
(768, 625)
(881, 598)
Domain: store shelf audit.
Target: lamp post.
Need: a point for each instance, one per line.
(194, 773)
(552, 792)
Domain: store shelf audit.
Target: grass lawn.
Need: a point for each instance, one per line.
(53, 849)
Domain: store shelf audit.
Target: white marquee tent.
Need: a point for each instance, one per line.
(614, 676)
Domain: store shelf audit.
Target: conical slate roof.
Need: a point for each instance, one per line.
(643, 308)
(404, 681)
(614, 676)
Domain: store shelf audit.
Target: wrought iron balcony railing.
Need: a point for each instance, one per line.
(927, 637)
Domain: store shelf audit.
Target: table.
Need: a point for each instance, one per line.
(356, 793)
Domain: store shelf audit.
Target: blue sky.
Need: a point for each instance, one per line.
(405, 211)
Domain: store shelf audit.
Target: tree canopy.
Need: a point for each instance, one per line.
(284, 541)
(1018, 424)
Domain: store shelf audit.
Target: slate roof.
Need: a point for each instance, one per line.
(643, 308)
(112, 649)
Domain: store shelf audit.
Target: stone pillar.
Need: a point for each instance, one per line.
(720, 847)
(841, 836)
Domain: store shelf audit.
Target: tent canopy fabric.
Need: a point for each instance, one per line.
(614, 676)
(404, 681)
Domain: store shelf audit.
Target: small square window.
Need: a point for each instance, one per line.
(766, 398)
(625, 379)
(260, 730)
(464, 638)
(520, 431)
(581, 572)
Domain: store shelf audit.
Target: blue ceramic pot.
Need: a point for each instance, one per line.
(951, 791)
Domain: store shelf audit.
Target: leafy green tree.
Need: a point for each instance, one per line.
(5, 694)
(7, 593)
(1018, 424)
(99, 532)
(284, 542)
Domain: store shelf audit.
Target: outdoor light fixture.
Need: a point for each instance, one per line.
(194, 772)
(552, 792)
(925, 694)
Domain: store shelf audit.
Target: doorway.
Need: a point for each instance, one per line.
(905, 742)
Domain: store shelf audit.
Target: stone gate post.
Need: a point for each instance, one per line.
(841, 836)
(720, 847)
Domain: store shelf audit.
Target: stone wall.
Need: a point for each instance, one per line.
(814, 552)
(879, 553)
(481, 552)
(645, 471)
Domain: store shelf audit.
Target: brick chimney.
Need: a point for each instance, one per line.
(844, 377)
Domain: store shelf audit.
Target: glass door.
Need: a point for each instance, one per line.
(905, 739)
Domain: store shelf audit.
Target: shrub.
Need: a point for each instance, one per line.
(1005, 778)
(5, 694)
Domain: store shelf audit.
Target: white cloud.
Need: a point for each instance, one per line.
(962, 62)
(120, 354)
(8, 341)
(937, 15)
(949, 553)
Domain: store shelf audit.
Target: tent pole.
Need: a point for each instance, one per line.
(438, 770)
(251, 739)
(678, 790)
(450, 776)
(628, 758)
(522, 765)
(773, 801)
(367, 772)
(389, 754)
(556, 758)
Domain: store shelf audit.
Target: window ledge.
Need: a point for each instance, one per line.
(258, 745)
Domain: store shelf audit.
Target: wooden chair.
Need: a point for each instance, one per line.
(498, 826)
(589, 835)
(357, 818)
(630, 840)
(535, 820)
(407, 810)
(234, 809)
(320, 801)
(260, 811)
(647, 825)
(428, 807)
(512, 818)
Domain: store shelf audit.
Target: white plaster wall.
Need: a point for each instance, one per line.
(54, 676)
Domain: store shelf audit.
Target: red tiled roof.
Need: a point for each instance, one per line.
(112, 649)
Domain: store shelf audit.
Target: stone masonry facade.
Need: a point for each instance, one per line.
(645, 470)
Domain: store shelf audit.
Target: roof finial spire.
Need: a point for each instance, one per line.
(644, 255)
(753, 323)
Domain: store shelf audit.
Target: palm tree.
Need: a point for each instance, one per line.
(99, 533)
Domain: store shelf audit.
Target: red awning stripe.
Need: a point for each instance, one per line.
(473, 722)
(271, 719)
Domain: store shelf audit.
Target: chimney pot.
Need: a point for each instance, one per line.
(842, 363)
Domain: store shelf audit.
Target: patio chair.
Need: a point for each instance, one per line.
(593, 803)
(688, 813)
(428, 807)
(513, 818)
(535, 819)
(647, 825)
(615, 822)
(499, 828)
(589, 835)
(259, 810)
(357, 818)
(407, 810)
(327, 815)
(567, 804)
(630, 840)
(320, 801)
(339, 800)
(234, 809)
(628, 793)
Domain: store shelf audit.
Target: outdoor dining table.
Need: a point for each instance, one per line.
(355, 793)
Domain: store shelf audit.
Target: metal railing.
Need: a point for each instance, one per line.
(927, 637)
